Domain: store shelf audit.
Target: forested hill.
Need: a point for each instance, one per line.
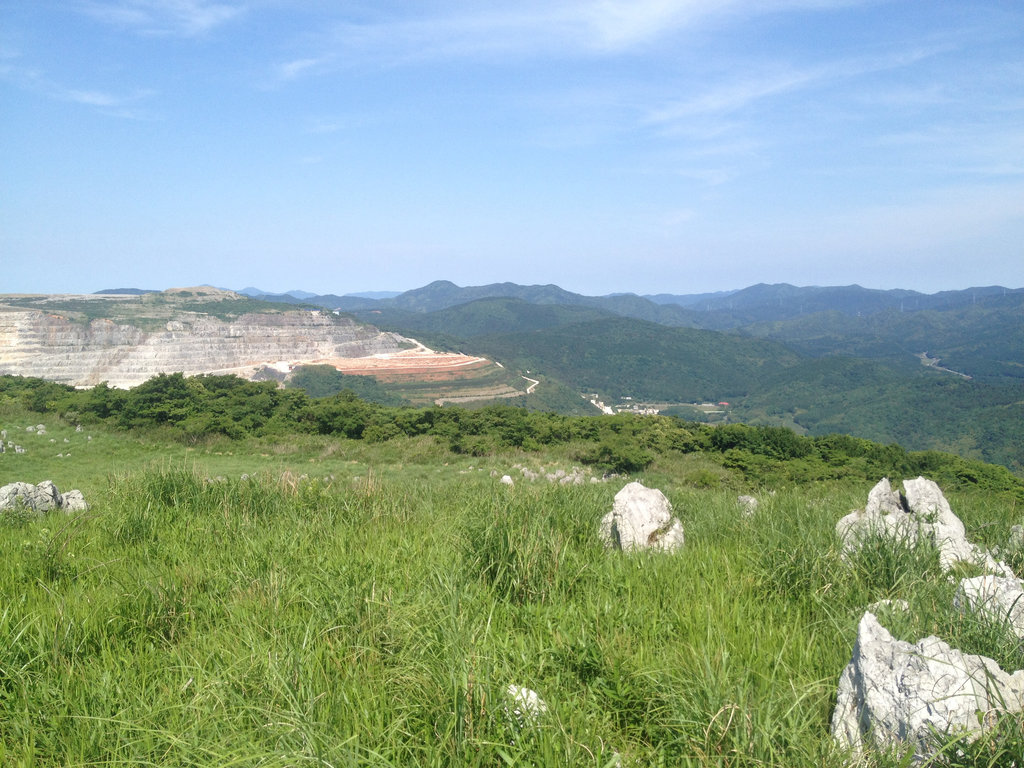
(893, 375)
(983, 338)
(621, 357)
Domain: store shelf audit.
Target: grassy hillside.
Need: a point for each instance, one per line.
(300, 598)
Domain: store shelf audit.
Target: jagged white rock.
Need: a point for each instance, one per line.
(923, 512)
(40, 498)
(641, 518)
(894, 693)
(73, 501)
(999, 598)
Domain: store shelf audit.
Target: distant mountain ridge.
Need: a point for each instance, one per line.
(722, 310)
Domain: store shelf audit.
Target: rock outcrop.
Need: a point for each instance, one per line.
(922, 512)
(641, 518)
(38, 499)
(998, 598)
(897, 694)
(51, 346)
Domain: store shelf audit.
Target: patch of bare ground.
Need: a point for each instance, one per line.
(412, 363)
(494, 393)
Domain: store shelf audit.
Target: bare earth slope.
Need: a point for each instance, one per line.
(85, 340)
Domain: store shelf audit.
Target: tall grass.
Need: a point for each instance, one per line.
(278, 620)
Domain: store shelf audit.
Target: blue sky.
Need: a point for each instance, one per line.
(645, 145)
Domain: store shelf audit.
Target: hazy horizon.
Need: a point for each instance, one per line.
(395, 291)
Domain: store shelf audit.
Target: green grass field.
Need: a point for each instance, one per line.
(315, 601)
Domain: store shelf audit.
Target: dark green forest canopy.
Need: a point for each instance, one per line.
(203, 407)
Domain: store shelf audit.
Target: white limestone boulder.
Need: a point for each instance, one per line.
(998, 598)
(897, 694)
(39, 499)
(73, 501)
(641, 518)
(526, 706)
(922, 512)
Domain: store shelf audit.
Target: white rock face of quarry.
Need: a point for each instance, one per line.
(49, 346)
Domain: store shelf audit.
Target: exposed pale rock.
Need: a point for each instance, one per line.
(526, 705)
(922, 513)
(73, 501)
(748, 505)
(506, 480)
(641, 518)
(889, 605)
(34, 343)
(999, 598)
(894, 693)
(883, 515)
(40, 498)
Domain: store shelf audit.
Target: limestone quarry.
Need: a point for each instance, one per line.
(126, 339)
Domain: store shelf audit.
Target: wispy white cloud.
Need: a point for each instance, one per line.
(970, 148)
(292, 69)
(188, 18)
(91, 98)
(527, 28)
(130, 105)
(733, 96)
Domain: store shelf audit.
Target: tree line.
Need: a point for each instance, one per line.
(194, 409)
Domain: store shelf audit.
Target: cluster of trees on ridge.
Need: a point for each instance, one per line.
(203, 407)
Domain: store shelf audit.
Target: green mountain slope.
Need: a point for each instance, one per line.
(622, 357)
(929, 410)
(982, 339)
(482, 317)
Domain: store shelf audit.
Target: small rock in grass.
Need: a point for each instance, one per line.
(641, 518)
(748, 505)
(527, 705)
